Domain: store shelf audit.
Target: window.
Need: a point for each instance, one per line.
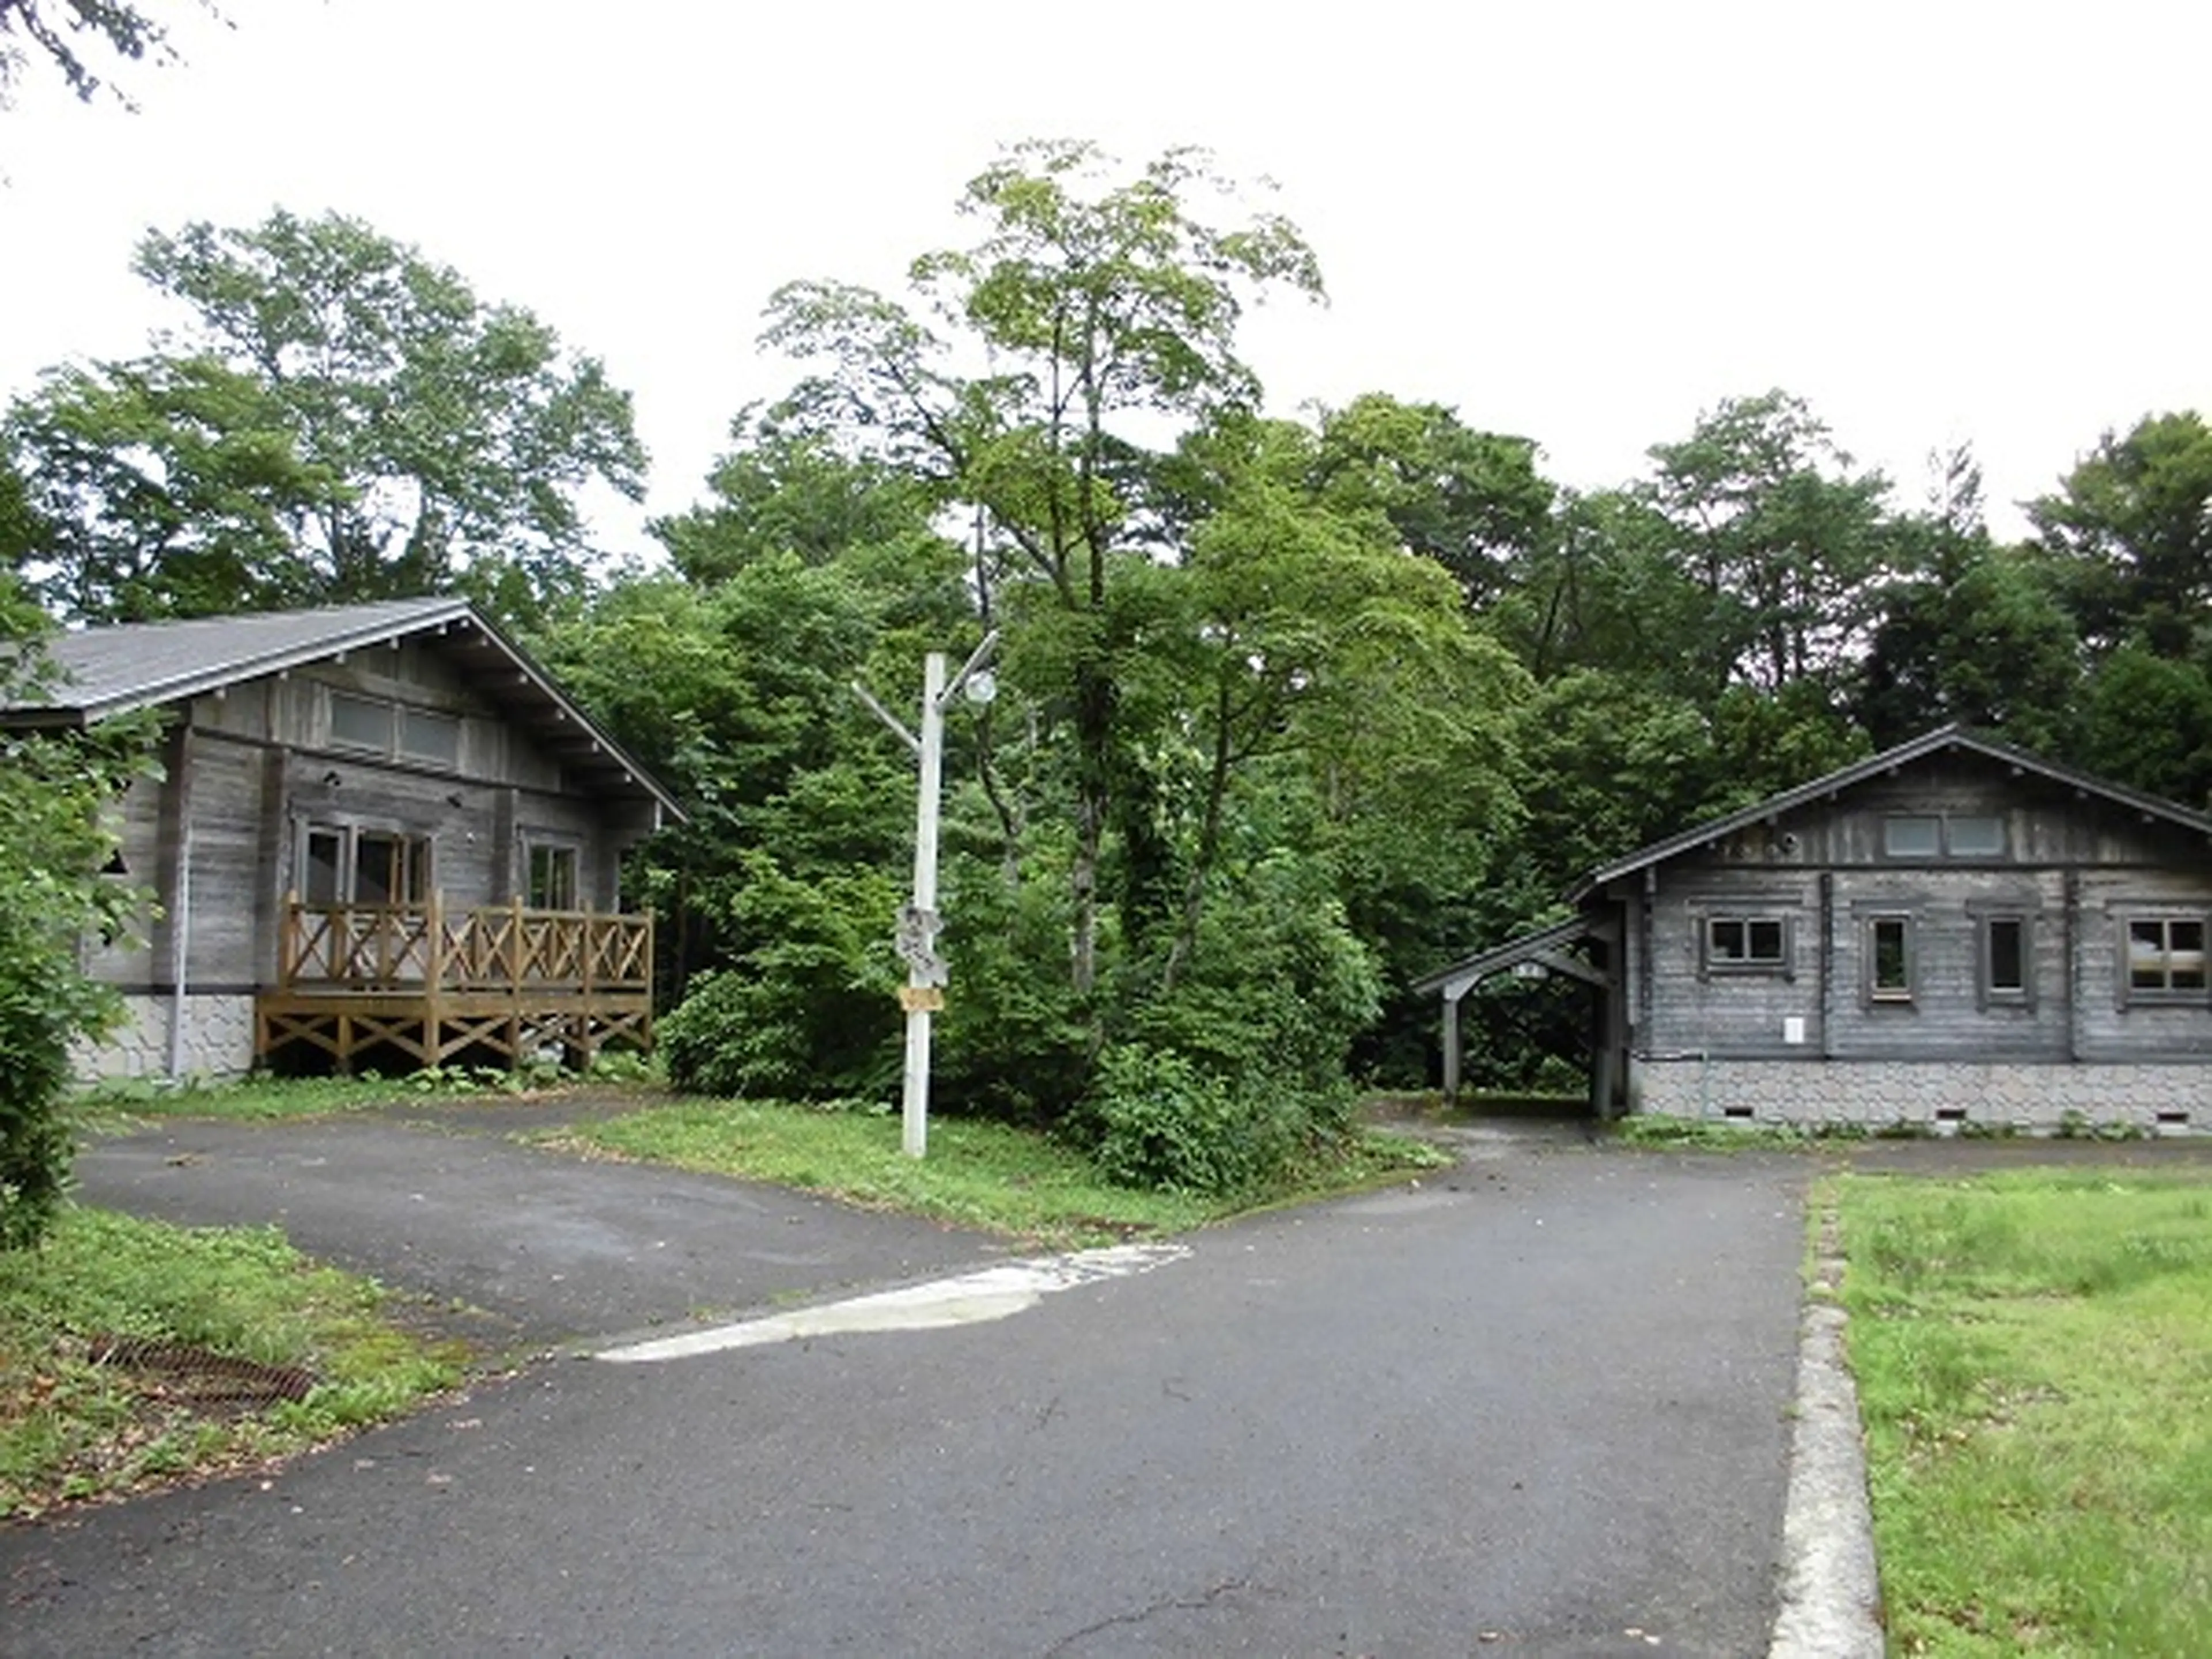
(2004, 958)
(395, 730)
(2166, 954)
(1889, 958)
(1935, 835)
(357, 723)
(1745, 944)
(552, 878)
(427, 737)
(340, 864)
(1970, 836)
(1903, 837)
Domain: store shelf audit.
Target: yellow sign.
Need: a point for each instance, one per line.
(921, 999)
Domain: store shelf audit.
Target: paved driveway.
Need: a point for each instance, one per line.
(1537, 1406)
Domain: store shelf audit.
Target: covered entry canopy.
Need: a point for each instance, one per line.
(1547, 951)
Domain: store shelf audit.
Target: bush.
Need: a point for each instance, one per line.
(1012, 1042)
(52, 791)
(806, 1013)
(1162, 1122)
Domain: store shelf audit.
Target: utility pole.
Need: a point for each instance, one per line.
(915, 941)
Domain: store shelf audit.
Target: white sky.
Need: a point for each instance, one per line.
(1938, 221)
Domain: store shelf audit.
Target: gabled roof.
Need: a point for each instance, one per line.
(115, 670)
(1543, 947)
(1942, 739)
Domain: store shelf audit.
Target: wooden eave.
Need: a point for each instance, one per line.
(171, 662)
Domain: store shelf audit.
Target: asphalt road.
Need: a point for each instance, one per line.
(1536, 1407)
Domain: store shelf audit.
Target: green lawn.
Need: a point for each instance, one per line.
(1013, 1181)
(132, 1353)
(2033, 1353)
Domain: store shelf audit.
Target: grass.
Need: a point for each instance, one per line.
(270, 1099)
(989, 1175)
(133, 1354)
(2033, 1352)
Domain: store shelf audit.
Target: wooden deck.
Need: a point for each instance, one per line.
(499, 981)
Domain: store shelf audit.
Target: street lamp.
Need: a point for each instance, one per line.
(915, 940)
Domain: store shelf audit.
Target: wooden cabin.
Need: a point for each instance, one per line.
(381, 836)
(1954, 932)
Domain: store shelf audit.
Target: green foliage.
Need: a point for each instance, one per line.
(2146, 720)
(1161, 1122)
(347, 420)
(1786, 540)
(1471, 500)
(54, 791)
(809, 1009)
(73, 1427)
(2133, 523)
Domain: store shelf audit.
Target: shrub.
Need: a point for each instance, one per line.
(1162, 1122)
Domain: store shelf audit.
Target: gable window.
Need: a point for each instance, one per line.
(552, 877)
(2004, 958)
(2164, 956)
(1736, 943)
(1940, 834)
(1911, 836)
(1889, 958)
(359, 723)
(1974, 835)
(395, 730)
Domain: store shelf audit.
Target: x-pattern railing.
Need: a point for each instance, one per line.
(486, 947)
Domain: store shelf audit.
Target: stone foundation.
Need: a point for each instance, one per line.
(218, 1039)
(1945, 1096)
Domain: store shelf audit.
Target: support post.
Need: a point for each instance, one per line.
(1451, 1048)
(913, 1117)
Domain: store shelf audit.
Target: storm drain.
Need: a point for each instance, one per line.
(199, 1376)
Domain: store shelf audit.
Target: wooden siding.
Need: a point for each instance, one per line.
(249, 768)
(2074, 867)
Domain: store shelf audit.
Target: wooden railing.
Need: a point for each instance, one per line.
(427, 947)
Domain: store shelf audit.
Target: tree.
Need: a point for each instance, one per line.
(1979, 634)
(1103, 309)
(52, 791)
(1785, 538)
(2134, 521)
(54, 29)
(1471, 500)
(343, 421)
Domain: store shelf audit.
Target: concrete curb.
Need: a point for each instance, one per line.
(1831, 1605)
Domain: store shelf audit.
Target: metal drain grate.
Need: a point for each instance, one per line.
(201, 1375)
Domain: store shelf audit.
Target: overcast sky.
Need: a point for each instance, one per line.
(1938, 223)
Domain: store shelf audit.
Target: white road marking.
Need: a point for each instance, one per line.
(992, 1293)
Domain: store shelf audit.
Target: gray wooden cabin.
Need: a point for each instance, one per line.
(1954, 931)
(381, 832)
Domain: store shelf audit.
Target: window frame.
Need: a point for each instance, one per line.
(564, 860)
(1941, 846)
(416, 856)
(1875, 992)
(2165, 919)
(1992, 994)
(398, 720)
(1713, 963)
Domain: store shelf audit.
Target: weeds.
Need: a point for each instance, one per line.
(132, 1353)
